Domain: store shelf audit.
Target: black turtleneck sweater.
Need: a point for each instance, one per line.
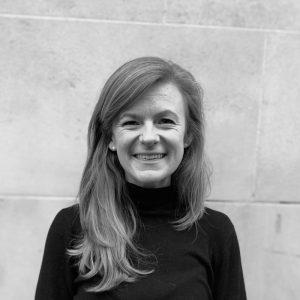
(188, 266)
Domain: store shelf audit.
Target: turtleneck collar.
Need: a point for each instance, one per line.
(153, 201)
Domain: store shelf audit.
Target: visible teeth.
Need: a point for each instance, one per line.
(149, 156)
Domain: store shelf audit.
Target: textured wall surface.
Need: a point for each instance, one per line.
(54, 59)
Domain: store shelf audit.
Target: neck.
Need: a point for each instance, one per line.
(153, 201)
(151, 185)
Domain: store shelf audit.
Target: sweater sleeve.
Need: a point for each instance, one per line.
(229, 280)
(55, 279)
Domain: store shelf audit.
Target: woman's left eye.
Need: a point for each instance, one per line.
(166, 121)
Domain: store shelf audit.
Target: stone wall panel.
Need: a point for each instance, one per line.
(279, 148)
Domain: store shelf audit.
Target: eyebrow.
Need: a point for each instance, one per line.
(157, 115)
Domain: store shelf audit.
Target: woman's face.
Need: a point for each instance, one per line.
(149, 137)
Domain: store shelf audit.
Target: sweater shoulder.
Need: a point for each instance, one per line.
(57, 272)
(69, 213)
(217, 225)
(66, 221)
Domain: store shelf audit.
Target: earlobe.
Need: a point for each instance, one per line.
(111, 146)
(187, 142)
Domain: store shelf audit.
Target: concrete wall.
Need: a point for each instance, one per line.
(56, 55)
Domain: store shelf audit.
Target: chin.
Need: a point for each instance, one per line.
(151, 180)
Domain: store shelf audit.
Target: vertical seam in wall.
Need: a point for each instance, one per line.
(164, 18)
(259, 120)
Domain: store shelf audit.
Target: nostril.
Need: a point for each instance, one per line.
(153, 138)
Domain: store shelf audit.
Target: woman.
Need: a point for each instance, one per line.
(141, 230)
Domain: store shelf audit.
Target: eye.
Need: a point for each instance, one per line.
(130, 123)
(167, 121)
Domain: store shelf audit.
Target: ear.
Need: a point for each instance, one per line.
(112, 146)
(187, 141)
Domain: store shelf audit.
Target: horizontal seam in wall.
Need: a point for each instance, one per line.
(250, 201)
(91, 20)
(4, 197)
(34, 197)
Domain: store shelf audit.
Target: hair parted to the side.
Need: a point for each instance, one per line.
(107, 215)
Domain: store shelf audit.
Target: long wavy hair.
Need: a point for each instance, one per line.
(108, 217)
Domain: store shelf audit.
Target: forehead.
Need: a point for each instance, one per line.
(160, 97)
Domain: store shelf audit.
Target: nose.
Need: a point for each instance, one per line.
(149, 135)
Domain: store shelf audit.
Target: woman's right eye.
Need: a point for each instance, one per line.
(130, 123)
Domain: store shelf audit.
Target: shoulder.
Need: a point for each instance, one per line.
(68, 214)
(216, 225)
(224, 254)
(57, 271)
(66, 222)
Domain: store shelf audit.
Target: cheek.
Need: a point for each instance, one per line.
(124, 147)
(121, 140)
(178, 140)
(177, 147)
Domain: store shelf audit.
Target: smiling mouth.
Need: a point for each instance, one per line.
(149, 156)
